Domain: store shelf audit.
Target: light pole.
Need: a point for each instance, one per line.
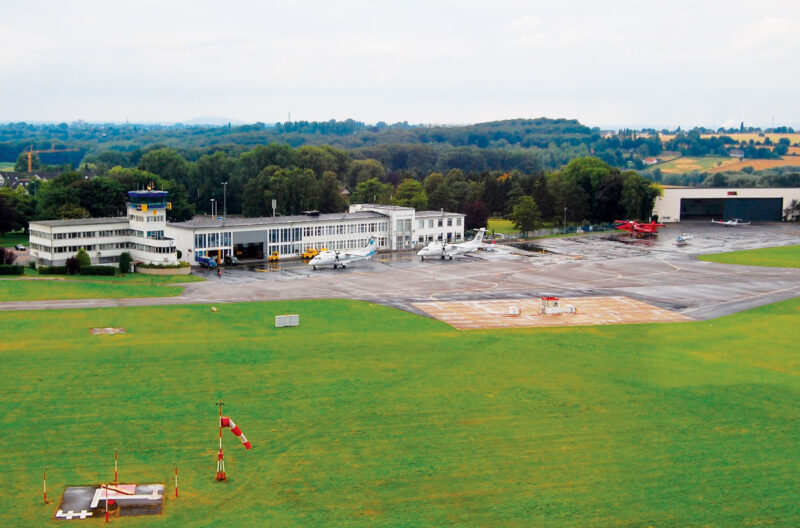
(225, 199)
(565, 220)
(212, 208)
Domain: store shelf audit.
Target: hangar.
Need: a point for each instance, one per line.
(750, 204)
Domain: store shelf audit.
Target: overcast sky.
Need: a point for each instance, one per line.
(606, 63)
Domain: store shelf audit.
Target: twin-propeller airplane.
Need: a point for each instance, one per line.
(448, 251)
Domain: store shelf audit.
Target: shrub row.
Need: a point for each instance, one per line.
(164, 266)
(53, 270)
(11, 269)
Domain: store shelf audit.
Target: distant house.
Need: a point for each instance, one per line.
(650, 161)
(736, 153)
(16, 179)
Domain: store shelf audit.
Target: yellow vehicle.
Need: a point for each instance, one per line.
(310, 253)
(274, 257)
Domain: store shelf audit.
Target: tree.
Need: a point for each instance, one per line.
(372, 191)
(7, 256)
(83, 258)
(409, 193)
(125, 262)
(363, 170)
(73, 265)
(22, 162)
(167, 163)
(477, 215)
(526, 216)
(8, 216)
(330, 195)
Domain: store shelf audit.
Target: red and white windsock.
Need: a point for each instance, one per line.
(224, 421)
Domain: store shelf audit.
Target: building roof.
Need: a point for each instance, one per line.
(81, 221)
(201, 222)
(433, 214)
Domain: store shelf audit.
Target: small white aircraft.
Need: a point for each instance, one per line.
(343, 258)
(443, 251)
(683, 239)
(731, 223)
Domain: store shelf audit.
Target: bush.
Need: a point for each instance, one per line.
(7, 256)
(32, 264)
(11, 269)
(164, 266)
(73, 265)
(53, 270)
(98, 270)
(125, 263)
(83, 258)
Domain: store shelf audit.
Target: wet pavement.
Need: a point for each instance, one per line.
(653, 270)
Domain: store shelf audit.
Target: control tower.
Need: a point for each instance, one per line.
(147, 214)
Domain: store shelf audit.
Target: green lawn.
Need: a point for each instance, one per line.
(57, 287)
(13, 238)
(368, 416)
(775, 257)
(502, 226)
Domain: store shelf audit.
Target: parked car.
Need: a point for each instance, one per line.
(19, 247)
(231, 260)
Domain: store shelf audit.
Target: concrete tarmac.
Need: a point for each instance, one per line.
(652, 270)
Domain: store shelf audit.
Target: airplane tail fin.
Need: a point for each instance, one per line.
(479, 236)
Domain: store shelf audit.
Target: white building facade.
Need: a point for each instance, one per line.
(140, 233)
(394, 228)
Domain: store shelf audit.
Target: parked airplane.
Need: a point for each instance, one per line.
(683, 239)
(443, 251)
(731, 223)
(345, 257)
(632, 226)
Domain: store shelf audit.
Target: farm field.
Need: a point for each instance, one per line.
(34, 287)
(686, 424)
(7, 165)
(746, 137)
(776, 257)
(683, 165)
(760, 164)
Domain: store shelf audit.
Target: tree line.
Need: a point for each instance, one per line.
(325, 178)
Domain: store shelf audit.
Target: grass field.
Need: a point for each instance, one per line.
(367, 416)
(34, 287)
(7, 165)
(746, 137)
(501, 225)
(13, 238)
(776, 257)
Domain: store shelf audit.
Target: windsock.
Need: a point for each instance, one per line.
(224, 421)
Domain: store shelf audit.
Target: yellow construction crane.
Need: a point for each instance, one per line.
(31, 152)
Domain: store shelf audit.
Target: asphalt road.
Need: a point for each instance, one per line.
(651, 270)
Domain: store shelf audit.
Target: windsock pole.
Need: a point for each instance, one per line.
(116, 480)
(220, 457)
(106, 487)
(44, 483)
(176, 479)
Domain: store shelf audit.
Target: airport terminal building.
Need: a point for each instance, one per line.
(753, 204)
(394, 228)
(149, 238)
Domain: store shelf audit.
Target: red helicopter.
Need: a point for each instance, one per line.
(634, 227)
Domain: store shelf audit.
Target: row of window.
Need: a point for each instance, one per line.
(287, 234)
(154, 218)
(103, 247)
(430, 238)
(212, 240)
(344, 229)
(439, 222)
(81, 234)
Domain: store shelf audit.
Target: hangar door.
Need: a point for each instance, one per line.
(748, 209)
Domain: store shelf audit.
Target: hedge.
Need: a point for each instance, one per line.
(11, 269)
(98, 270)
(164, 266)
(53, 270)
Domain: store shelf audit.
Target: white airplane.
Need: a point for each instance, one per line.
(343, 258)
(443, 251)
(683, 239)
(731, 223)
